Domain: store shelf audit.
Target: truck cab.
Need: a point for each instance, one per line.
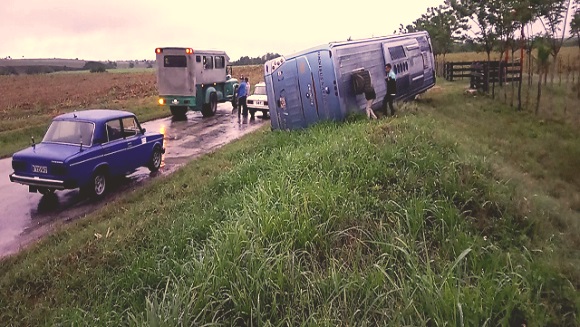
(197, 80)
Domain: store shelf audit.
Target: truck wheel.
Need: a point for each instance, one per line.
(156, 159)
(179, 112)
(235, 98)
(210, 108)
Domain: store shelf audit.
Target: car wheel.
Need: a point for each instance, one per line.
(156, 159)
(98, 185)
(179, 112)
(210, 109)
(265, 114)
(46, 191)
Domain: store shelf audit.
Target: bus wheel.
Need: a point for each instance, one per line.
(210, 108)
(179, 112)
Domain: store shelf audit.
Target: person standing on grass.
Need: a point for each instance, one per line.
(391, 80)
(242, 96)
(370, 96)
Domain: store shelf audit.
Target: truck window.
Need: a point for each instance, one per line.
(207, 62)
(175, 61)
(220, 62)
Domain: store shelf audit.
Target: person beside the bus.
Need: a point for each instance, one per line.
(370, 96)
(391, 80)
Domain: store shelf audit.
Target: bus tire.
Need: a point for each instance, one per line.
(178, 112)
(209, 109)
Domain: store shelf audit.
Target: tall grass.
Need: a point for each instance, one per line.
(381, 223)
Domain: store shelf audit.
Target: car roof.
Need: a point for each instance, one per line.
(95, 115)
(261, 84)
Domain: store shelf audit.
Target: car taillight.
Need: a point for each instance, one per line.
(18, 165)
(250, 101)
(57, 169)
(265, 103)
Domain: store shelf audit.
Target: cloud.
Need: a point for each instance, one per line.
(113, 29)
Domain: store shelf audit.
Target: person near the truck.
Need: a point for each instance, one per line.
(242, 96)
(391, 80)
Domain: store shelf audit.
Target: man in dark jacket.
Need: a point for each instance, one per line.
(391, 90)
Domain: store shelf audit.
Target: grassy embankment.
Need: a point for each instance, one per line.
(458, 214)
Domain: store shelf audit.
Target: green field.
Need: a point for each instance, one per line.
(459, 212)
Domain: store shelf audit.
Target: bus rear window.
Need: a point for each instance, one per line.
(175, 61)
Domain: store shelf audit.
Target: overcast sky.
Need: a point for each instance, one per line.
(131, 29)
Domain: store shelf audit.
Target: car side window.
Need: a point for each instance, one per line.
(130, 127)
(114, 130)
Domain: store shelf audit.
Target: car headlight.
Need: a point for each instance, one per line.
(57, 168)
(18, 165)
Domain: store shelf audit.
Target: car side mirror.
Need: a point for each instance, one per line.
(143, 130)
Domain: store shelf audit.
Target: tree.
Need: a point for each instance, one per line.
(479, 14)
(543, 63)
(575, 23)
(442, 24)
(554, 16)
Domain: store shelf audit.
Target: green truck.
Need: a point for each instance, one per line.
(195, 80)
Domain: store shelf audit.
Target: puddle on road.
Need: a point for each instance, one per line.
(26, 217)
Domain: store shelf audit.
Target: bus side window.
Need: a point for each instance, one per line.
(208, 62)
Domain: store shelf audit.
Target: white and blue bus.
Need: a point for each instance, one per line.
(317, 84)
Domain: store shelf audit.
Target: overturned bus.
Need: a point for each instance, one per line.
(323, 83)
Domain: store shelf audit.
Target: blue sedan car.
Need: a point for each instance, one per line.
(85, 149)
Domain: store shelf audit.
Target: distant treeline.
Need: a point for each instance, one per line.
(32, 67)
(245, 60)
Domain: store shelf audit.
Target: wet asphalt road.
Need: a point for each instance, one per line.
(26, 217)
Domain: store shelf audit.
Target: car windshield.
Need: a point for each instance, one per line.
(260, 90)
(69, 132)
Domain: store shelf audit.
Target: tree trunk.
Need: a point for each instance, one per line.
(539, 95)
(520, 85)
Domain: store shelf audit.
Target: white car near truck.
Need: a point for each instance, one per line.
(258, 101)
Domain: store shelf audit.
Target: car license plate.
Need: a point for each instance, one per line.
(39, 169)
(259, 103)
